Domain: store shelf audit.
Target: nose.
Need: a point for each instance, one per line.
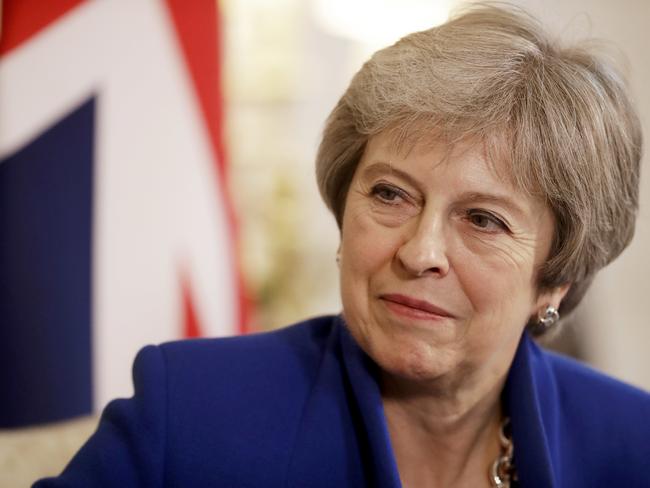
(423, 251)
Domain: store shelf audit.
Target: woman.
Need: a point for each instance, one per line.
(480, 177)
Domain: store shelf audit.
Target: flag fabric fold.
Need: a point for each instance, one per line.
(117, 230)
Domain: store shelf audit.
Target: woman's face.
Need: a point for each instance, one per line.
(438, 258)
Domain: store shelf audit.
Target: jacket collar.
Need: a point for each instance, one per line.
(347, 381)
(364, 379)
(529, 397)
(342, 438)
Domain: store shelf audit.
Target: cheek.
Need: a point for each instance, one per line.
(499, 285)
(366, 246)
(367, 251)
(500, 253)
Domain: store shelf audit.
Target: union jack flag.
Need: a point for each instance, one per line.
(115, 223)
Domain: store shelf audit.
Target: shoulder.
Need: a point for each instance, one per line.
(208, 412)
(303, 340)
(227, 380)
(579, 383)
(604, 423)
(242, 397)
(292, 353)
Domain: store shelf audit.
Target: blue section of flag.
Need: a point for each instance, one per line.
(46, 200)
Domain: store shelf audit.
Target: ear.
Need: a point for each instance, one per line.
(552, 297)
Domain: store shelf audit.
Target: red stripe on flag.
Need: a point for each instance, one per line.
(21, 19)
(191, 327)
(196, 25)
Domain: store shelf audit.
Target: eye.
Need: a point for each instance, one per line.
(388, 194)
(486, 221)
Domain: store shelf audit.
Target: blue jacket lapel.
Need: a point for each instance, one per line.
(530, 399)
(331, 448)
(363, 378)
(343, 440)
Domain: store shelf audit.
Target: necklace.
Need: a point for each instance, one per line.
(502, 471)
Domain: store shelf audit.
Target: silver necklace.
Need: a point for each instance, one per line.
(502, 471)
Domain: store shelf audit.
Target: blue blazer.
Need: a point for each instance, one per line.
(300, 407)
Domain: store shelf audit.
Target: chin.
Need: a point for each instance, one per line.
(415, 366)
(409, 358)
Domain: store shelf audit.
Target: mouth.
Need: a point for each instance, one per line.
(414, 308)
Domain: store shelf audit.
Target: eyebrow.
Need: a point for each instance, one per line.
(501, 200)
(379, 168)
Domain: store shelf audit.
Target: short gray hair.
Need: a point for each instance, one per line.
(559, 115)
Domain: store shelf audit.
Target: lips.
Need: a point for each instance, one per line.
(412, 306)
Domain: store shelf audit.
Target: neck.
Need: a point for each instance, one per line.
(443, 434)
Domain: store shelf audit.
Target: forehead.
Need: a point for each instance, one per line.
(473, 158)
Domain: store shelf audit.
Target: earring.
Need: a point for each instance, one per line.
(338, 258)
(547, 319)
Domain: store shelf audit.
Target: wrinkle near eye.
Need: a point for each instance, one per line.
(515, 252)
(361, 209)
(386, 212)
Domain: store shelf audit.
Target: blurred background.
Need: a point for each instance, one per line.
(231, 235)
